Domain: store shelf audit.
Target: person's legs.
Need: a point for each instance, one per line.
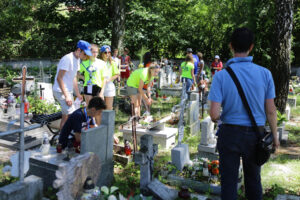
(139, 101)
(134, 99)
(87, 98)
(229, 157)
(252, 180)
(65, 109)
(109, 103)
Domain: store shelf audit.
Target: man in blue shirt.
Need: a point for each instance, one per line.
(236, 136)
(195, 58)
(78, 120)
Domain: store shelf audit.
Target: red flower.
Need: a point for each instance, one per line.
(215, 171)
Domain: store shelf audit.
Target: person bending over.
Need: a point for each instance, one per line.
(81, 118)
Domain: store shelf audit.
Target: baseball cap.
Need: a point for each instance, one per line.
(218, 57)
(104, 47)
(85, 46)
(190, 50)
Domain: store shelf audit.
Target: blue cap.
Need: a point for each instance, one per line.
(85, 46)
(104, 48)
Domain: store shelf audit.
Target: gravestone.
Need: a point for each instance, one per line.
(193, 114)
(288, 112)
(207, 146)
(100, 141)
(46, 92)
(180, 153)
(292, 101)
(144, 158)
(72, 175)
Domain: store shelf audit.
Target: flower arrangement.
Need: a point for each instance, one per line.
(213, 167)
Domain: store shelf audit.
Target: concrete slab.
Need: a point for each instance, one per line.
(180, 156)
(165, 138)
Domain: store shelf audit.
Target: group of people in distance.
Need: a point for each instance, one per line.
(98, 88)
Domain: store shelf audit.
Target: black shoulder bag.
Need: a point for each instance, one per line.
(264, 147)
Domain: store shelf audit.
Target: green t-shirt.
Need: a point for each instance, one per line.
(186, 69)
(97, 72)
(136, 76)
(112, 69)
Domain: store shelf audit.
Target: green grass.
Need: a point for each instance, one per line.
(6, 179)
(294, 135)
(283, 172)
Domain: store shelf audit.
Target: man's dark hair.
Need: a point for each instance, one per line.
(241, 40)
(97, 103)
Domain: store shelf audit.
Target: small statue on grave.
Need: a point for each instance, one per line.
(45, 145)
(91, 192)
(127, 148)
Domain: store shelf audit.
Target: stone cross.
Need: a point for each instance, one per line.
(181, 119)
(145, 159)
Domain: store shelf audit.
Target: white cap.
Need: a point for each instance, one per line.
(218, 57)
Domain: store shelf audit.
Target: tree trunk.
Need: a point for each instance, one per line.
(118, 21)
(282, 69)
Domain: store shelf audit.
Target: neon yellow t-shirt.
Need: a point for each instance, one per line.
(97, 69)
(186, 69)
(136, 76)
(112, 69)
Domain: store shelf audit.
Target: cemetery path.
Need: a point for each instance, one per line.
(5, 154)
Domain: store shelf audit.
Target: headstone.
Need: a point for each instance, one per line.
(292, 101)
(193, 114)
(72, 175)
(47, 92)
(180, 156)
(207, 146)
(31, 188)
(145, 159)
(100, 141)
(14, 159)
(288, 112)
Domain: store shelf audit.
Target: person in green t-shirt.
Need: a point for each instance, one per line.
(112, 74)
(135, 84)
(94, 73)
(187, 72)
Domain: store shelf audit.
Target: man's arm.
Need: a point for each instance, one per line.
(75, 85)
(214, 111)
(272, 119)
(62, 86)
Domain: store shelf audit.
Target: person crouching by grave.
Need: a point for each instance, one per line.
(94, 72)
(65, 79)
(187, 72)
(112, 73)
(135, 84)
(217, 65)
(81, 118)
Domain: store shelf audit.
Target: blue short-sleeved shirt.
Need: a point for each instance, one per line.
(196, 61)
(257, 83)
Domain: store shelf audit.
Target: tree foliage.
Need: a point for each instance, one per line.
(39, 28)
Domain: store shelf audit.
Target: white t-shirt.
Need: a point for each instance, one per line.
(71, 65)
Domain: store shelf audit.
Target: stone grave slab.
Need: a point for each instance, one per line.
(180, 156)
(165, 138)
(197, 186)
(161, 191)
(193, 114)
(47, 92)
(31, 188)
(287, 197)
(292, 101)
(32, 138)
(46, 166)
(99, 140)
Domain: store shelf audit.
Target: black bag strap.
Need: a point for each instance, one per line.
(243, 97)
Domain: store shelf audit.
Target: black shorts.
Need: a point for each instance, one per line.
(95, 90)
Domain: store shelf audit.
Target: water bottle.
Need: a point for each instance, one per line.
(45, 145)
